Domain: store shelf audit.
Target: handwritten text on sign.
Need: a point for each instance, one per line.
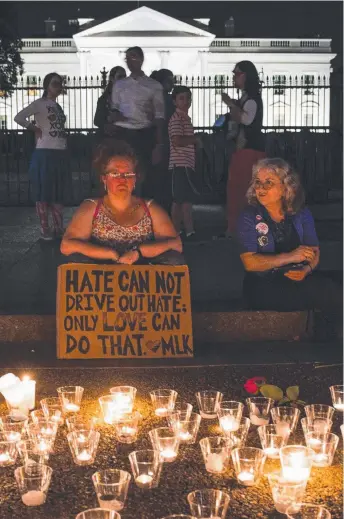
(123, 311)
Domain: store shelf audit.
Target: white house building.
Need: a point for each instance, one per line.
(188, 49)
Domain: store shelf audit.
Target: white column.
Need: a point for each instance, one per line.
(164, 58)
(83, 62)
(206, 96)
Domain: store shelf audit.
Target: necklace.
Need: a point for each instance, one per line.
(128, 212)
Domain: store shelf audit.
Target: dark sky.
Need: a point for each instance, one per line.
(252, 19)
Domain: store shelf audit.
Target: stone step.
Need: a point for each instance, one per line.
(208, 327)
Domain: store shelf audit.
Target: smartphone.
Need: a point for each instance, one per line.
(220, 121)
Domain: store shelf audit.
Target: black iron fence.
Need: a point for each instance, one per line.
(305, 101)
(302, 123)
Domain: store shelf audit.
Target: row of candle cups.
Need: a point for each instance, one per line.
(213, 504)
(183, 423)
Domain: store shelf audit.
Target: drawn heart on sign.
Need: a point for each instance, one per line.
(153, 346)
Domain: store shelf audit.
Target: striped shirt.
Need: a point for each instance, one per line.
(184, 156)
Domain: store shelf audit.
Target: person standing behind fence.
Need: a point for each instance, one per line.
(160, 173)
(182, 161)
(107, 129)
(248, 112)
(48, 167)
(138, 112)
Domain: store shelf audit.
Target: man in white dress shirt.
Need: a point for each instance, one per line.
(138, 113)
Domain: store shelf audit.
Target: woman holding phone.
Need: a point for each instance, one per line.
(249, 145)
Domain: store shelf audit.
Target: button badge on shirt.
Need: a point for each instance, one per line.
(258, 217)
(262, 228)
(263, 241)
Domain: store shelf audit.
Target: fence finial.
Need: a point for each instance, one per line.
(104, 74)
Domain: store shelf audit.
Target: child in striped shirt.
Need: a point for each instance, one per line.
(182, 161)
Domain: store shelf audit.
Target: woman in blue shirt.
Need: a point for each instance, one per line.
(279, 244)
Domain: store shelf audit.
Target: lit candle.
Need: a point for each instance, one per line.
(320, 460)
(271, 452)
(214, 463)
(258, 421)
(43, 446)
(4, 458)
(229, 423)
(144, 480)
(162, 411)
(33, 498)
(84, 456)
(283, 429)
(109, 502)
(246, 478)
(71, 408)
(320, 426)
(314, 441)
(14, 437)
(47, 430)
(128, 431)
(168, 454)
(29, 389)
(296, 471)
(184, 436)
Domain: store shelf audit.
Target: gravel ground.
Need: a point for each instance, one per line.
(71, 490)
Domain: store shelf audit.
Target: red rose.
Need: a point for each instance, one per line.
(251, 387)
(253, 384)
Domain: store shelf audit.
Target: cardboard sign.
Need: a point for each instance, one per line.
(112, 311)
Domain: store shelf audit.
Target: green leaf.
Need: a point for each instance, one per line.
(284, 401)
(270, 391)
(292, 392)
(301, 402)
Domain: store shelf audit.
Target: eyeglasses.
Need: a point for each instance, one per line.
(267, 185)
(128, 175)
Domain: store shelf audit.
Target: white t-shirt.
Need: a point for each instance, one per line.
(249, 110)
(50, 119)
(140, 100)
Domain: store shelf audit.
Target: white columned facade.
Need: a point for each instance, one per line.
(203, 101)
(164, 58)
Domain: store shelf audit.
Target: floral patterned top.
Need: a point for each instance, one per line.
(106, 231)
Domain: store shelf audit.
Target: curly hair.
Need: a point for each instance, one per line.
(110, 149)
(294, 196)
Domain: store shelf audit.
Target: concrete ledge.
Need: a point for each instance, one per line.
(220, 327)
(250, 326)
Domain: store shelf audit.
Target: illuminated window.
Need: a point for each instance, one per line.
(32, 83)
(220, 81)
(279, 83)
(309, 84)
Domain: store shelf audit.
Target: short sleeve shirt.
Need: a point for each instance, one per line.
(181, 156)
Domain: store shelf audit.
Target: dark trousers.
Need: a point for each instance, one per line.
(277, 292)
(142, 142)
(170, 257)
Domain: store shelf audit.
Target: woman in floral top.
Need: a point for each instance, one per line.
(121, 227)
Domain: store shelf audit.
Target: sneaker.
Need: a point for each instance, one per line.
(46, 236)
